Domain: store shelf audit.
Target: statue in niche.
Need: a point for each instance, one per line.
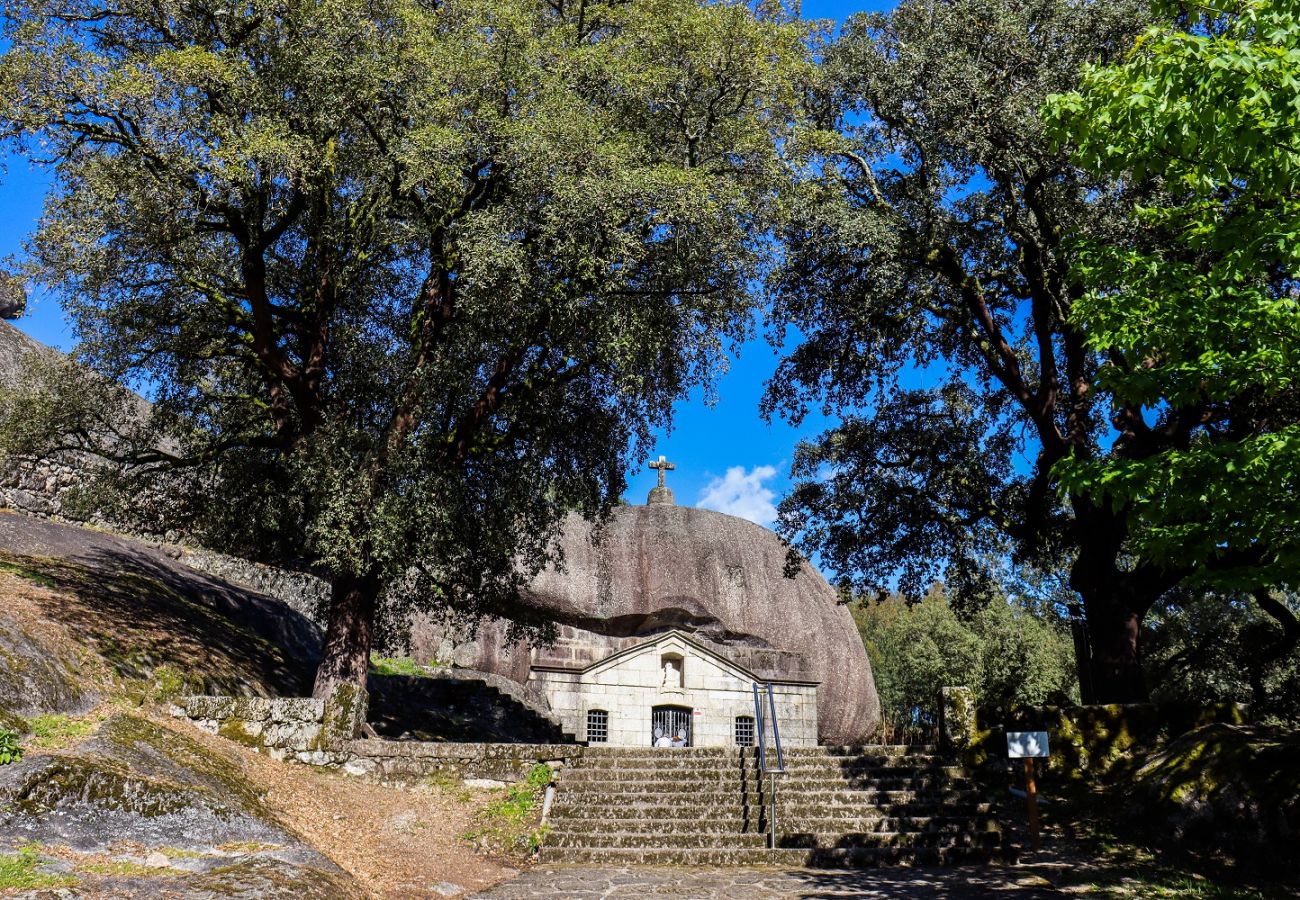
(672, 676)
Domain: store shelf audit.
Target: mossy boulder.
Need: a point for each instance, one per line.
(137, 783)
(33, 680)
(1098, 742)
(1228, 788)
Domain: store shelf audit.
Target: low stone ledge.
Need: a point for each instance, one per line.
(380, 749)
(296, 728)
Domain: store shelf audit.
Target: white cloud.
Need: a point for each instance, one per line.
(742, 494)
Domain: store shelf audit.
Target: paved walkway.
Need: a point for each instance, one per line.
(562, 882)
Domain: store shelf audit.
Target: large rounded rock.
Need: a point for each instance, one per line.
(724, 579)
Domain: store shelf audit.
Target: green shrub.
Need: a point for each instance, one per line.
(1011, 656)
(10, 752)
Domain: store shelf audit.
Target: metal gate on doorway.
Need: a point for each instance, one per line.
(672, 721)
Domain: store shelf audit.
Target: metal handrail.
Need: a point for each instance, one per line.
(776, 730)
(760, 723)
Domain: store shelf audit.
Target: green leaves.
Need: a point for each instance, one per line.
(1198, 316)
(407, 281)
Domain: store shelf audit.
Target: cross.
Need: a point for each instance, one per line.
(663, 465)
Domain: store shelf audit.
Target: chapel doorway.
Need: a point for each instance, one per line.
(670, 721)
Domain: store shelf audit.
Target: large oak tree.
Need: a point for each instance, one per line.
(929, 285)
(405, 280)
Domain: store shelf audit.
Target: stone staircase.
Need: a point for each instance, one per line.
(836, 807)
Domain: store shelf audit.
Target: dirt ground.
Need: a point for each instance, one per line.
(397, 842)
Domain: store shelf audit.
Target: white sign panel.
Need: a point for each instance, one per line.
(1022, 744)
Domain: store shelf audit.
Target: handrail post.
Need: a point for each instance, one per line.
(776, 729)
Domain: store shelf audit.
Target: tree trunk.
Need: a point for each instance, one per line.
(1117, 675)
(345, 657)
(1115, 600)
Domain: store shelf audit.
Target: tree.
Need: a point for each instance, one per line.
(1198, 316)
(405, 281)
(929, 283)
(1207, 647)
(1009, 656)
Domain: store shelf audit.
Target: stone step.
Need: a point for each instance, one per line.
(801, 825)
(692, 757)
(711, 825)
(739, 811)
(840, 857)
(636, 840)
(584, 786)
(684, 795)
(837, 840)
(703, 773)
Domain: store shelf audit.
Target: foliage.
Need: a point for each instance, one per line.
(21, 871)
(1008, 656)
(1198, 318)
(406, 281)
(932, 242)
(54, 731)
(928, 277)
(510, 821)
(10, 751)
(1207, 648)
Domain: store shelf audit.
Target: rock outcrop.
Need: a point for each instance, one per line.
(718, 577)
(1232, 789)
(152, 799)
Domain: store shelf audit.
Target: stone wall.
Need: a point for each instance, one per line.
(285, 727)
(294, 728)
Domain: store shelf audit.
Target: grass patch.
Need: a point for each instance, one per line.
(120, 867)
(37, 578)
(181, 853)
(511, 822)
(54, 731)
(22, 872)
(245, 847)
(397, 665)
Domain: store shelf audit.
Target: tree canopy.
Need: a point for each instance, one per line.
(928, 278)
(1198, 317)
(405, 281)
(1012, 656)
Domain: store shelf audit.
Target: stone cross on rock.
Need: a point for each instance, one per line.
(662, 494)
(663, 465)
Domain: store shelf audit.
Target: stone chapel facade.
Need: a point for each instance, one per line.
(672, 686)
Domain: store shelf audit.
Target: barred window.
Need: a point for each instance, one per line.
(597, 726)
(744, 731)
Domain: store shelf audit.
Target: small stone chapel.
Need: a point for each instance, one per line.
(671, 615)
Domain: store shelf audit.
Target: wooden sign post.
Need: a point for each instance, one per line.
(1029, 745)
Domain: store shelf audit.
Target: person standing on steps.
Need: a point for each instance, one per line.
(661, 739)
(680, 740)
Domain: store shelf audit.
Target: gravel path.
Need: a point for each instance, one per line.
(553, 882)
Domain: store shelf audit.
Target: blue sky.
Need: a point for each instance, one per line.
(727, 457)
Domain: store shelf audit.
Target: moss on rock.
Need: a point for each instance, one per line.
(1229, 788)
